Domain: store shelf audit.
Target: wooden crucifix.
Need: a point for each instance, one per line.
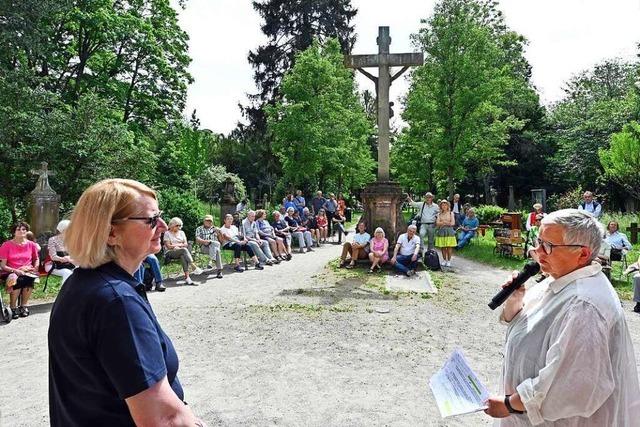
(383, 61)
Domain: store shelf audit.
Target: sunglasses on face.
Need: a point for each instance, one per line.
(547, 247)
(152, 221)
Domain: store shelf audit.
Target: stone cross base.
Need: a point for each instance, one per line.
(43, 215)
(382, 202)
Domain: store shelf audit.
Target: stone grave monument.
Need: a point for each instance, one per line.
(43, 205)
(228, 203)
(382, 200)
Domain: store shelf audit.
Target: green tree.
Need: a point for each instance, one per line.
(455, 107)
(598, 102)
(320, 128)
(621, 161)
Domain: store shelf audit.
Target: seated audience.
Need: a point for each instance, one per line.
(252, 236)
(154, 265)
(19, 264)
(406, 251)
(298, 231)
(379, 250)
(207, 238)
(61, 263)
(177, 247)
(338, 225)
(356, 249)
(267, 233)
(230, 238)
(309, 221)
(468, 228)
(282, 230)
(618, 241)
(323, 226)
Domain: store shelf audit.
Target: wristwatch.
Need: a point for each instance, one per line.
(509, 407)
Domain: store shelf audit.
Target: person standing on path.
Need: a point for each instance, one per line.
(568, 357)
(428, 213)
(110, 362)
(445, 233)
(330, 207)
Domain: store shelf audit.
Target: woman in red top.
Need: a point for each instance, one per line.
(19, 264)
(531, 219)
(342, 205)
(323, 223)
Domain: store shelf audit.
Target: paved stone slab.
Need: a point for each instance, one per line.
(420, 283)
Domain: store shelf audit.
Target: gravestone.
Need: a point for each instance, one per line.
(229, 202)
(43, 205)
(633, 232)
(382, 200)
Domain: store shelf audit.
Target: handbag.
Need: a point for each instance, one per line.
(417, 219)
(59, 265)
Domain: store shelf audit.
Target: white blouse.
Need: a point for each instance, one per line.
(569, 355)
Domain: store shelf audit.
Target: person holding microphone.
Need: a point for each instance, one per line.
(568, 358)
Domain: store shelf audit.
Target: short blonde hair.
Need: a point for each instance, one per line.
(379, 230)
(104, 202)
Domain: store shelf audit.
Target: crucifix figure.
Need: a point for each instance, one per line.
(383, 61)
(42, 186)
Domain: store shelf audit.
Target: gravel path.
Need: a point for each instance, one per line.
(299, 344)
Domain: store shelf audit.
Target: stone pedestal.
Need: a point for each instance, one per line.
(382, 202)
(43, 214)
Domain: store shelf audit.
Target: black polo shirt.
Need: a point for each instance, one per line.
(105, 345)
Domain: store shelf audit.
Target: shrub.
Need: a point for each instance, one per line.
(5, 220)
(210, 184)
(489, 213)
(184, 205)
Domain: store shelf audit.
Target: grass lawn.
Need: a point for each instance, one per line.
(481, 250)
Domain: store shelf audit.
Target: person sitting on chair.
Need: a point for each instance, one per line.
(282, 230)
(298, 231)
(206, 237)
(251, 234)
(177, 247)
(267, 233)
(61, 263)
(231, 239)
(469, 228)
(619, 243)
(323, 224)
(357, 249)
(19, 264)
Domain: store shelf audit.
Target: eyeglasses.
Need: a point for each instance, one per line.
(152, 221)
(547, 247)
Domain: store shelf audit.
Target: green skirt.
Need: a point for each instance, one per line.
(445, 237)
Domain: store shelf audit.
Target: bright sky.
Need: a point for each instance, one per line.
(565, 37)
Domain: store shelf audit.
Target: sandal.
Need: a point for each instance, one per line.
(350, 266)
(14, 313)
(371, 270)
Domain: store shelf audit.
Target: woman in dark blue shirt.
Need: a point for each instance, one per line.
(110, 362)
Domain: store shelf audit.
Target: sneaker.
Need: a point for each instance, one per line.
(160, 287)
(636, 308)
(188, 281)
(24, 311)
(197, 271)
(309, 249)
(289, 257)
(238, 269)
(14, 313)
(410, 273)
(268, 262)
(259, 267)
(219, 274)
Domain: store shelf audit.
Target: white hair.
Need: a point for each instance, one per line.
(174, 221)
(62, 225)
(379, 230)
(412, 226)
(291, 209)
(580, 228)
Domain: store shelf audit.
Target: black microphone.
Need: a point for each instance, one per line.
(530, 269)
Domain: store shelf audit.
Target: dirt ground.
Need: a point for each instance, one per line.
(299, 344)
